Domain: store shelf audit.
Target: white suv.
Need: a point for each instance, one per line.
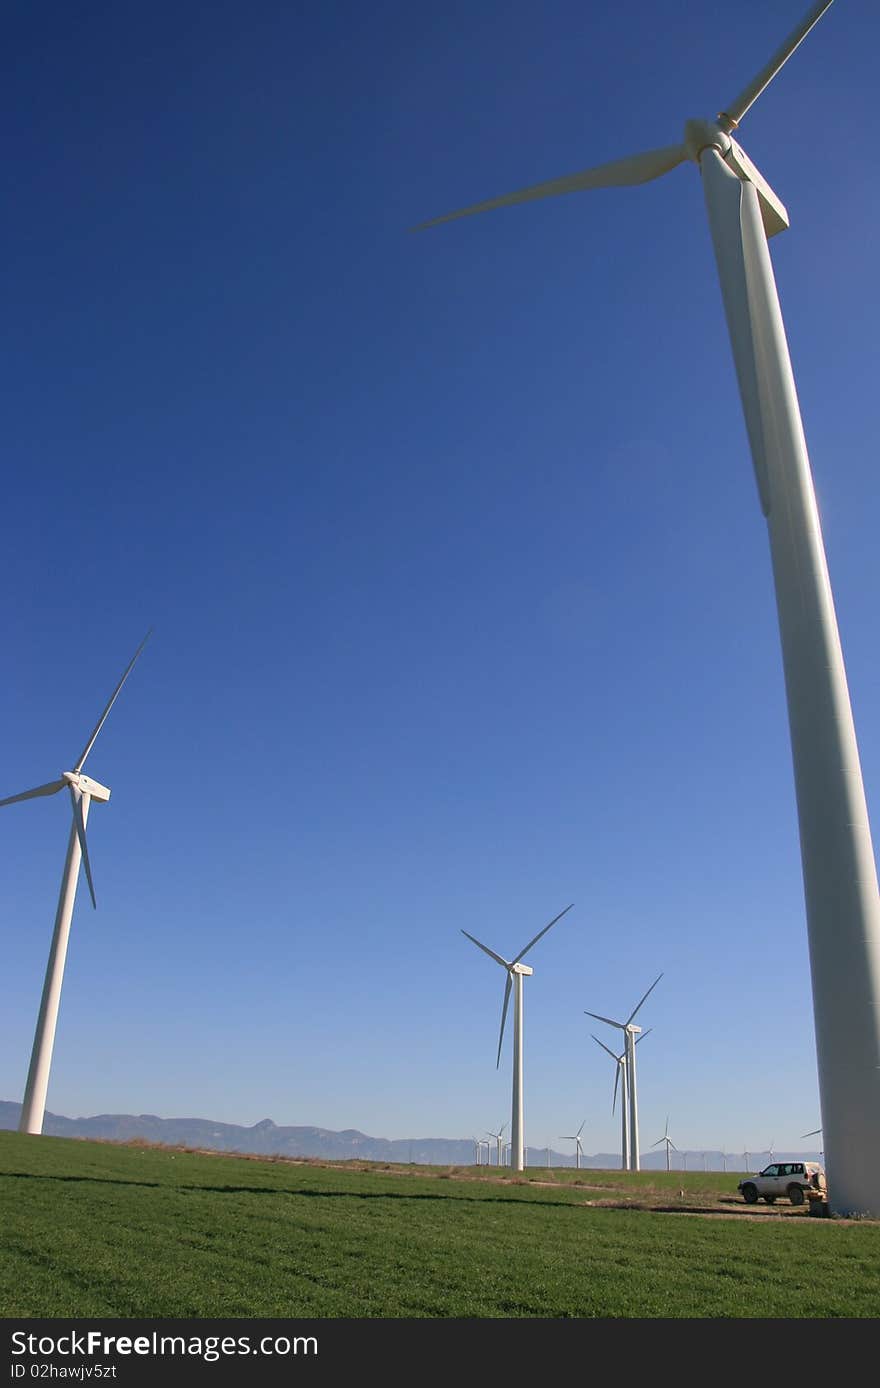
(799, 1180)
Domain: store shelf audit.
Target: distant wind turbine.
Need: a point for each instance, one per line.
(499, 1136)
(630, 1032)
(839, 870)
(82, 790)
(668, 1140)
(576, 1139)
(515, 971)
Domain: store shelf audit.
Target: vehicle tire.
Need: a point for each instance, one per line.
(750, 1193)
(796, 1195)
(770, 1199)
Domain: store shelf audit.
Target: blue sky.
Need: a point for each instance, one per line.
(460, 587)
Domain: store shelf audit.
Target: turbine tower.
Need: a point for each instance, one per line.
(668, 1140)
(515, 971)
(578, 1146)
(839, 871)
(83, 790)
(630, 1033)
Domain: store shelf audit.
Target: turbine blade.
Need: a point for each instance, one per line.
(113, 697)
(657, 1143)
(580, 1129)
(616, 1083)
(487, 950)
(644, 1034)
(620, 173)
(49, 788)
(542, 932)
(79, 819)
(507, 988)
(741, 249)
(605, 1048)
(638, 1005)
(672, 1145)
(734, 113)
(621, 1025)
(814, 1133)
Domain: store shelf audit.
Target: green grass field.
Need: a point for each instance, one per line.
(95, 1229)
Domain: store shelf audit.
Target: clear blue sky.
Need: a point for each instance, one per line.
(461, 590)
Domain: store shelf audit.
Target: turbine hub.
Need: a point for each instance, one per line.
(704, 134)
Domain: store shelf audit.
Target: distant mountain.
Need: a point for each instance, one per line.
(266, 1138)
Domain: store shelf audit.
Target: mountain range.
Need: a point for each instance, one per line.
(268, 1139)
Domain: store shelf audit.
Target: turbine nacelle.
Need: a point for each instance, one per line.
(700, 135)
(86, 786)
(521, 969)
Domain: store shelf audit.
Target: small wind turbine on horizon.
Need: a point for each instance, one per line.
(668, 1140)
(83, 790)
(576, 1139)
(839, 869)
(515, 971)
(499, 1140)
(630, 1034)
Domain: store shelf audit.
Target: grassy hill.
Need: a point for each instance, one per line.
(102, 1230)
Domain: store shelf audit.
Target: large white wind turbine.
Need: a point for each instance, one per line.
(515, 971)
(578, 1146)
(83, 790)
(620, 1078)
(840, 876)
(630, 1033)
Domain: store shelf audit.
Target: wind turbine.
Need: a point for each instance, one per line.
(668, 1140)
(515, 971)
(620, 1078)
(83, 790)
(840, 876)
(630, 1032)
(576, 1139)
(498, 1142)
